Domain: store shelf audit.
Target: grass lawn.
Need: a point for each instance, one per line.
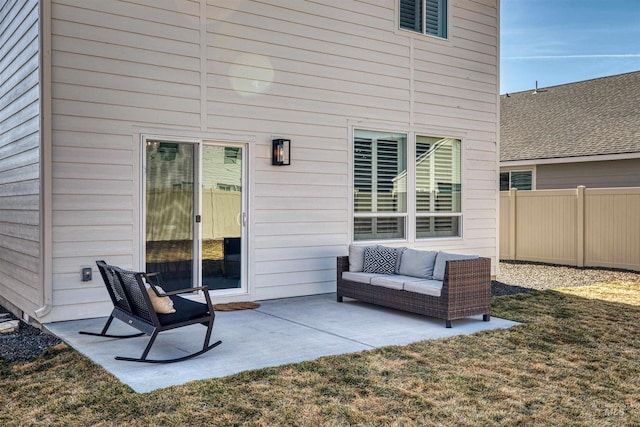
(574, 361)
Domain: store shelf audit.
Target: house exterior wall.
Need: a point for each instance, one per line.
(605, 174)
(249, 71)
(20, 232)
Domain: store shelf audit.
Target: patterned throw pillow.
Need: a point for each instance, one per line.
(380, 260)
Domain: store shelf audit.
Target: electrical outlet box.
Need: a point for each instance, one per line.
(86, 274)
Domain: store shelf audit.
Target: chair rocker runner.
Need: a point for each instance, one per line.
(133, 306)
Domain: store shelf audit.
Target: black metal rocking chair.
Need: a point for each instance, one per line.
(132, 305)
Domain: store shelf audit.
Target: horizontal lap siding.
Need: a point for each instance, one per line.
(455, 84)
(115, 66)
(601, 174)
(300, 70)
(20, 281)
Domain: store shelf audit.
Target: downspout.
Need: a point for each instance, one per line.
(46, 281)
(497, 186)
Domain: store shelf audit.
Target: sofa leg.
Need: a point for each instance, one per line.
(486, 317)
(447, 323)
(339, 298)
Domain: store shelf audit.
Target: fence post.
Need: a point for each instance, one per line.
(580, 226)
(513, 193)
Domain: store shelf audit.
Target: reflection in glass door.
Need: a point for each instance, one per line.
(222, 216)
(189, 242)
(170, 212)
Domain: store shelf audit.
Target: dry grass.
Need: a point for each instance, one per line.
(575, 361)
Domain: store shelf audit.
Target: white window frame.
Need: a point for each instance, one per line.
(411, 213)
(435, 214)
(445, 27)
(509, 171)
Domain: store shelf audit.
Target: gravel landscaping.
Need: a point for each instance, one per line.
(515, 277)
(25, 344)
(518, 276)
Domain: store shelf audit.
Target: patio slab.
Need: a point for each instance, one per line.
(279, 332)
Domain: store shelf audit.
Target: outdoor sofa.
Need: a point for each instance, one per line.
(437, 284)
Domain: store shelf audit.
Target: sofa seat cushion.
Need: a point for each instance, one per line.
(418, 263)
(393, 282)
(360, 277)
(441, 262)
(425, 287)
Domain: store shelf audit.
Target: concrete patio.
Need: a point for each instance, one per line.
(278, 332)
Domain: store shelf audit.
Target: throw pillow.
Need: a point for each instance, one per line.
(380, 260)
(441, 262)
(162, 305)
(356, 258)
(399, 252)
(417, 263)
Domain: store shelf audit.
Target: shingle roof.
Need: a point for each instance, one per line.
(588, 118)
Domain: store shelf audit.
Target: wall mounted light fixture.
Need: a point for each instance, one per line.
(281, 152)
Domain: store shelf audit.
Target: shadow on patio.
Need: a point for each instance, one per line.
(278, 332)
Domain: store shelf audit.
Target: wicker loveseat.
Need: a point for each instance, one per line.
(437, 284)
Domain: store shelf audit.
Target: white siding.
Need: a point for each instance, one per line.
(612, 173)
(20, 281)
(264, 69)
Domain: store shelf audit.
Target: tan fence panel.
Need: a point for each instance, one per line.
(592, 227)
(612, 228)
(221, 212)
(170, 217)
(505, 226)
(546, 226)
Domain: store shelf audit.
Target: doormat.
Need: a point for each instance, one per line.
(233, 306)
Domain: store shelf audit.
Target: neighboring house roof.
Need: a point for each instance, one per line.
(599, 117)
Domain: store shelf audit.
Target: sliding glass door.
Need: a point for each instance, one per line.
(222, 216)
(194, 216)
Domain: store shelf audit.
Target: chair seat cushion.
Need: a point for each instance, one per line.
(186, 310)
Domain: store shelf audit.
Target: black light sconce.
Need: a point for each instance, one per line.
(281, 152)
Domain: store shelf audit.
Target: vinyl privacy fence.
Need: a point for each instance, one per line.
(581, 227)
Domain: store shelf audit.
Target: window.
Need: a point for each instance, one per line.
(424, 16)
(438, 189)
(380, 191)
(516, 179)
(381, 185)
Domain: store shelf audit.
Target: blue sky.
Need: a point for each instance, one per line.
(563, 41)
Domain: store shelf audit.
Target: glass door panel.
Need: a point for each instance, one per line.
(169, 226)
(222, 216)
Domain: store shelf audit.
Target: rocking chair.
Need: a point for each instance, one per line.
(132, 305)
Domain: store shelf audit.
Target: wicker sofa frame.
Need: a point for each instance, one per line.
(466, 291)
